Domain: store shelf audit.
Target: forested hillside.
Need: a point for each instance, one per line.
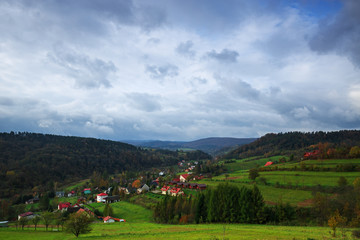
(29, 160)
(297, 142)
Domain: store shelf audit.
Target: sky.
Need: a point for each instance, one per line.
(179, 69)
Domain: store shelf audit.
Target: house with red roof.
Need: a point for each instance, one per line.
(64, 206)
(87, 191)
(71, 193)
(268, 163)
(165, 189)
(312, 154)
(86, 211)
(101, 197)
(183, 177)
(27, 215)
(176, 192)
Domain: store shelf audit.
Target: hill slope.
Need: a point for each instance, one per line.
(28, 159)
(276, 144)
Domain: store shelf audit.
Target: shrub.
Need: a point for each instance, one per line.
(356, 233)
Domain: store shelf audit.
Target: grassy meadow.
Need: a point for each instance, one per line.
(146, 230)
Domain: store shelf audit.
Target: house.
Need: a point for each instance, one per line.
(161, 174)
(185, 185)
(101, 197)
(312, 154)
(60, 194)
(109, 219)
(71, 193)
(165, 189)
(201, 186)
(193, 186)
(125, 190)
(28, 215)
(33, 200)
(183, 177)
(87, 190)
(64, 206)
(4, 224)
(176, 192)
(180, 185)
(86, 211)
(144, 188)
(112, 199)
(268, 163)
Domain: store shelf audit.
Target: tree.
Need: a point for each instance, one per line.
(78, 223)
(336, 220)
(22, 222)
(44, 203)
(342, 182)
(108, 211)
(253, 173)
(35, 221)
(136, 183)
(47, 218)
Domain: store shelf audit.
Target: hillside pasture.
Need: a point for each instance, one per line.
(248, 163)
(128, 211)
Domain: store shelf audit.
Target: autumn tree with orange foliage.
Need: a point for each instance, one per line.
(136, 183)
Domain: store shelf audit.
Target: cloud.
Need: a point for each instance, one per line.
(341, 33)
(185, 49)
(226, 55)
(144, 102)
(163, 71)
(87, 72)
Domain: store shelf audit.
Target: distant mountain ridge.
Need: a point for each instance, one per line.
(211, 145)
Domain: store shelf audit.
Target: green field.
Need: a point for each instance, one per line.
(133, 230)
(128, 211)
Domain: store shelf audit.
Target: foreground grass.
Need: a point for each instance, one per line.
(130, 230)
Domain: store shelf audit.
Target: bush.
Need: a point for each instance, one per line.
(356, 233)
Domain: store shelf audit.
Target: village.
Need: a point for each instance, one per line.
(182, 185)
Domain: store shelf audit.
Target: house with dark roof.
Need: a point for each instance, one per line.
(112, 199)
(60, 194)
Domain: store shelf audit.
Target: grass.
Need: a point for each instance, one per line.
(192, 232)
(248, 163)
(128, 211)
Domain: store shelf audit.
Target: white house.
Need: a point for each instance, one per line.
(183, 177)
(101, 197)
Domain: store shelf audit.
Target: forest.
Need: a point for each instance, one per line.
(297, 143)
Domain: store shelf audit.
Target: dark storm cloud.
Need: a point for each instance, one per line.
(340, 34)
(225, 55)
(163, 71)
(87, 72)
(185, 49)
